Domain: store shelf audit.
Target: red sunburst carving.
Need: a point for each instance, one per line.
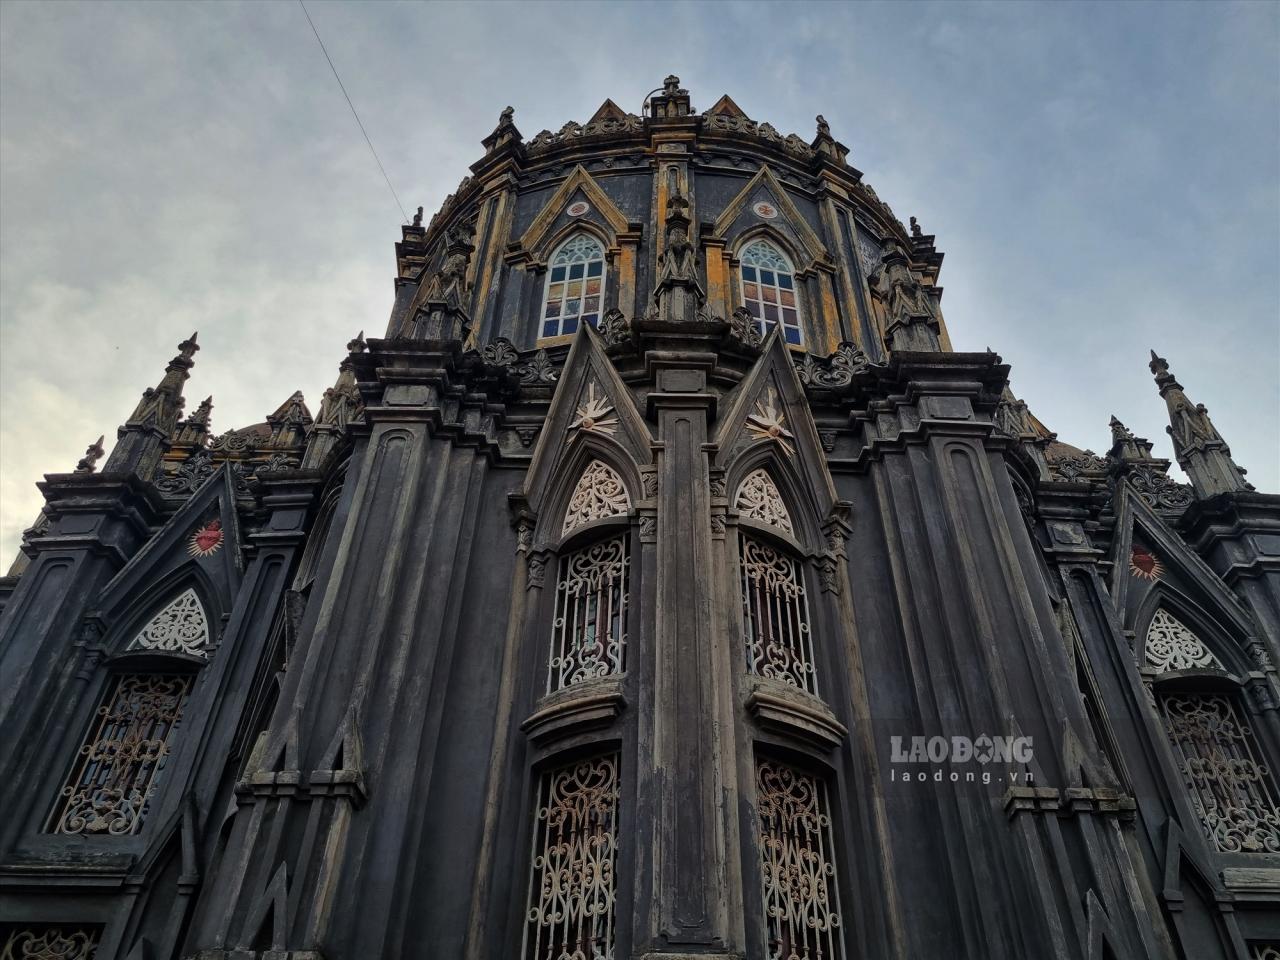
(206, 540)
(1145, 564)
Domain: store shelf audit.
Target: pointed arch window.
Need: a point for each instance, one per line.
(769, 289)
(589, 630)
(759, 499)
(1222, 764)
(575, 286)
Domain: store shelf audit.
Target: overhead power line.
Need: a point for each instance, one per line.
(343, 88)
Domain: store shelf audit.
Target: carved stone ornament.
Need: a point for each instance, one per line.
(836, 370)
(180, 627)
(1172, 646)
(1071, 468)
(192, 474)
(745, 328)
(537, 369)
(501, 352)
(1157, 489)
(599, 493)
(768, 422)
(592, 414)
(615, 328)
(759, 499)
(1144, 564)
(206, 540)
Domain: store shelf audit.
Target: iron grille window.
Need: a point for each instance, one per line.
(1231, 789)
(769, 290)
(572, 883)
(117, 767)
(775, 616)
(798, 873)
(1264, 951)
(589, 633)
(575, 286)
(48, 942)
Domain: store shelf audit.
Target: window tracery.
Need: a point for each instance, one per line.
(759, 499)
(769, 290)
(599, 493)
(117, 767)
(180, 626)
(1172, 646)
(572, 883)
(575, 286)
(798, 874)
(775, 616)
(590, 627)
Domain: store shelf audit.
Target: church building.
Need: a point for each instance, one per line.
(660, 584)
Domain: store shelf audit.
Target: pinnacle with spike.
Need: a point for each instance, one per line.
(1201, 451)
(91, 456)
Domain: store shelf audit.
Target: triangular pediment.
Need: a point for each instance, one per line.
(592, 416)
(200, 544)
(740, 217)
(767, 419)
(549, 226)
(725, 107)
(608, 111)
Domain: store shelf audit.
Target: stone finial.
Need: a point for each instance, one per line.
(916, 232)
(417, 218)
(92, 455)
(357, 345)
(504, 134)
(201, 415)
(824, 128)
(1200, 450)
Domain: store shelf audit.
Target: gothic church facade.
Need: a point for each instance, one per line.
(592, 614)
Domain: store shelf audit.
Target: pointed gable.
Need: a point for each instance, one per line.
(738, 217)
(608, 111)
(550, 224)
(725, 107)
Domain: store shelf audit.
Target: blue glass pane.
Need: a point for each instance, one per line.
(571, 325)
(549, 328)
(593, 269)
(557, 274)
(748, 273)
(792, 334)
(575, 272)
(590, 318)
(766, 276)
(784, 281)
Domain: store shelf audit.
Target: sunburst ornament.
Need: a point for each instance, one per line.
(207, 540)
(592, 413)
(768, 422)
(1145, 564)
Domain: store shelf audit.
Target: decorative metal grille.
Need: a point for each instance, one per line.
(115, 775)
(775, 616)
(1264, 951)
(41, 942)
(801, 904)
(599, 493)
(759, 499)
(181, 626)
(1231, 788)
(572, 885)
(1172, 646)
(589, 633)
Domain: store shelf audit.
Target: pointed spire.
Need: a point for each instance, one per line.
(149, 430)
(1199, 448)
(1126, 446)
(504, 135)
(92, 454)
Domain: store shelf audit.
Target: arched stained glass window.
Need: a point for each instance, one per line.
(769, 290)
(575, 286)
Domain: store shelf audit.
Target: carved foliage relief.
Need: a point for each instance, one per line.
(572, 886)
(759, 499)
(1172, 646)
(181, 627)
(600, 493)
(41, 942)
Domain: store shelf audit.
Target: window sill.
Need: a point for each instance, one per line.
(784, 709)
(584, 706)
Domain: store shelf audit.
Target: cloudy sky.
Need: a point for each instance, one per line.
(1103, 179)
